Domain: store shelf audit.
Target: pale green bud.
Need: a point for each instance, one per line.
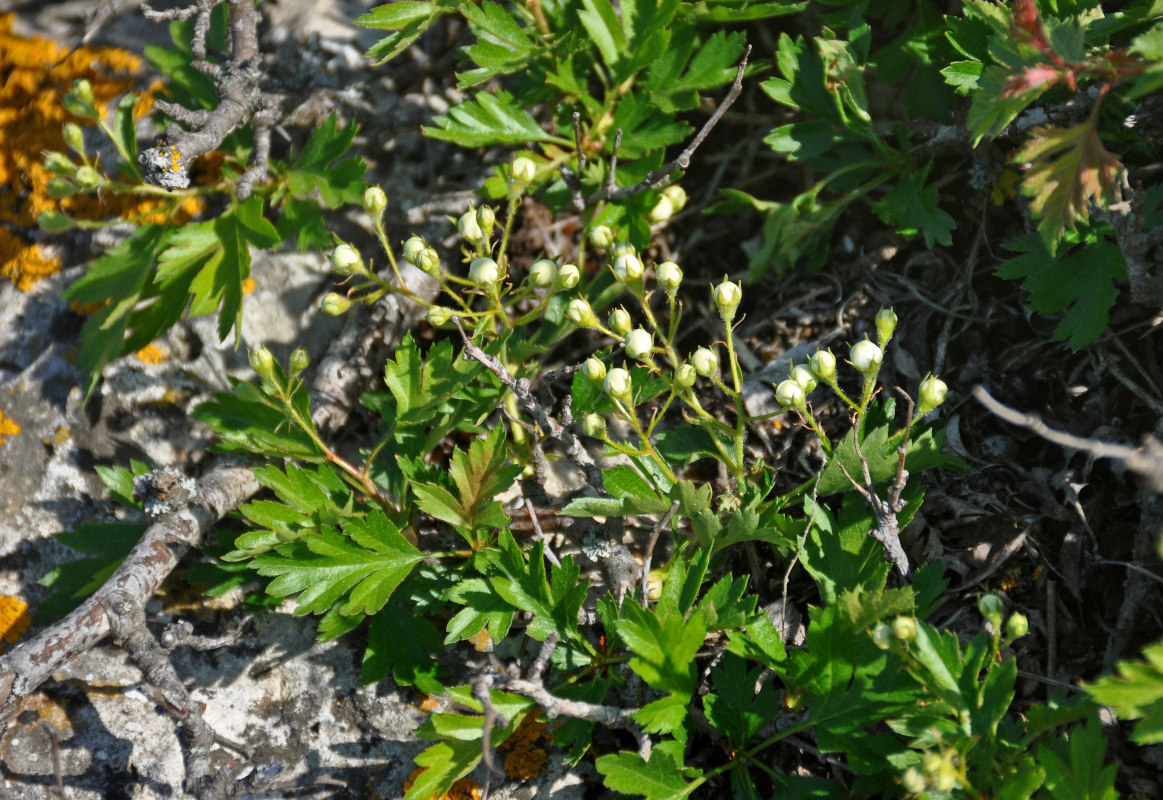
(601, 237)
(933, 393)
(581, 314)
(621, 249)
(913, 781)
(335, 304)
(627, 267)
(727, 296)
(428, 261)
(620, 322)
(904, 628)
(484, 271)
(882, 636)
(594, 425)
(804, 377)
(263, 363)
(886, 320)
(375, 201)
(543, 273)
(346, 259)
(568, 276)
(59, 187)
(823, 364)
(523, 170)
(88, 177)
(1017, 626)
(413, 246)
(639, 344)
(594, 370)
(705, 362)
(438, 316)
(299, 360)
(865, 356)
(663, 210)
(59, 163)
(669, 276)
(618, 385)
(991, 607)
(676, 195)
(685, 376)
(790, 394)
(74, 137)
(53, 221)
(486, 218)
(469, 227)
(83, 90)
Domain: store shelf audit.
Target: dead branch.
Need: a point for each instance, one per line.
(240, 101)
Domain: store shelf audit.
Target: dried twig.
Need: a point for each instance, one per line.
(654, 534)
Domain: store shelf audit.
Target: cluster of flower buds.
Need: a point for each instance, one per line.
(418, 253)
(671, 201)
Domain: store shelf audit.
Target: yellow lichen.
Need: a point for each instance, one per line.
(248, 286)
(8, 427)
(14, 619)
(35, 74)
(463, 789)
(525, 759)
(152, 354)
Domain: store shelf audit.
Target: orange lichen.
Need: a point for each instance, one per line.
(35, 74)
(429, 704)
(248, 286)
(14, 619)
(8, 427)
(152, 354)
(525, 759)
(463, 789)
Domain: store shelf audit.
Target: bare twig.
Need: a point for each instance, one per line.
(662, 523)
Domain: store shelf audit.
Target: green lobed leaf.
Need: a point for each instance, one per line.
(320, 171)
(490, 119)
(403, 643)
(736, 707)
(660, 778)
(1136, 692)
(911, 207)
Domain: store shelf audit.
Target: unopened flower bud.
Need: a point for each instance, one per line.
(865, 356)
(601, 237)
(913, 781)
(594, 369)
(375, 200)
(88, 177)
(727, 297)
(790, 394)
(299, 360)
(484, 271)
(639, 344)
(933, 393)
(486, 218)
(438, 316)
(882, 636)
(1017, 626)
(886, 320)
(904, 628)
(568, 276)
(345, 259)
(621, 249)
(59, 164)
(627, 267)
(335, 304)
(428, 261)
(74, 137)
(523, 170)
(823, 364)
(676, 195)
(620, 322)
(59, 187)
(581, 314)
(594, 425)
(669, 276)
(53, 221)
(705, 362)
(685, 376)
(542, 273)
(804, 377)
(663, 210)
(468, 226)
(83, 90)
(263, 363)
(413, 245)
(991, 607)
(618, 385)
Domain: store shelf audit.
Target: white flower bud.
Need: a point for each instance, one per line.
(865, 356)
(676, 195)
(601, 237)
(804, 377)
(484, 271)
(594, 426)
(621, 249)
(705, 362)
(542, 273)
(627, 267)
(823, 364)
(594, 369)
(620, 322)
(882, 636)
(412, 248)
(669, 276)
(335, 304)
(438, 316)
(933, 393)
(685, 376)
(468, 226)
(727, 297)
(345, 259)
(428, 261)
(790, 394)
(663, 210)
(568, 276)
(904, 628)
(639, 343)
(523, 170)
(618, 385)
(580, 313)
(374, 201)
